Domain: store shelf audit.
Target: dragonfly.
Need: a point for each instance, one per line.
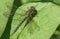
(30, 13)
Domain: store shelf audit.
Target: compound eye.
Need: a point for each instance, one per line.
(33, 8)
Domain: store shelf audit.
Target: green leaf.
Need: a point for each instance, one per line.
(57, 1)
(5, 7)
(27, 1)
(42, 26)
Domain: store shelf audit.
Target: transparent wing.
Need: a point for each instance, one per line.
(32, 27)
(17, 15)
